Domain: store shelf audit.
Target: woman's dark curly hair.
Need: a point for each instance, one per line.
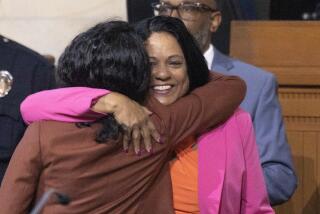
(197, 68)
(111, 56)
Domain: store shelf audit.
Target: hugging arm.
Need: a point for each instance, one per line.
(82, 104)
(65, 104)
(205, 107)
(218, 101)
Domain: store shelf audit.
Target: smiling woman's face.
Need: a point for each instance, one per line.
(169, 79)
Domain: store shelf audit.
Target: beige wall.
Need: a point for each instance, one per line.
(47, 26)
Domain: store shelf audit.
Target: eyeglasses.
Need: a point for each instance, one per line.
(188, 11)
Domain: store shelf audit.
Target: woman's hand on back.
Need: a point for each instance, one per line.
(133, 118)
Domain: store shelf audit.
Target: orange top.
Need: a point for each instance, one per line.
(184, 175)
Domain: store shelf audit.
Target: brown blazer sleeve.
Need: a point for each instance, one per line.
(20, 181)
(203, 108)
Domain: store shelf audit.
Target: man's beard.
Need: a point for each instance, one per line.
(202, 37)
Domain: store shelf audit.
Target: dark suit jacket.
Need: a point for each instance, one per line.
(100, 178)
(31, 73)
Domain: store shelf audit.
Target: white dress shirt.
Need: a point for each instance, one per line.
(209, 54)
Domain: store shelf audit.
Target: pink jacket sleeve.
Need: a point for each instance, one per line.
(71, 101)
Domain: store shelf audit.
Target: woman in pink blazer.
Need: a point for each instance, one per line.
(230, 178)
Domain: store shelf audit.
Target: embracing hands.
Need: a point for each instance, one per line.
(133, 118)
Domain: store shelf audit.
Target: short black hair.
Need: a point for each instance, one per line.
(110, 56)
(197, 68)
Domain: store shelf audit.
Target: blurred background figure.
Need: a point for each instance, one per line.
(22, 72)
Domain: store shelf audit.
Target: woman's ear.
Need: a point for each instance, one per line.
(216, 19)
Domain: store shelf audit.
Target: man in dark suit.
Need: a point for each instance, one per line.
(203, 18)
(22, 72)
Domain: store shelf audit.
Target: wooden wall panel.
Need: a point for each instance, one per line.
(278, 42)
(302, 119)
(296, 202)
(305, 150)
(309, 171)
(300, 108)
(290, 50)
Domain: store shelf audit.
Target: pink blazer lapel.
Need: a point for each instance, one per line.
(212, 163)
